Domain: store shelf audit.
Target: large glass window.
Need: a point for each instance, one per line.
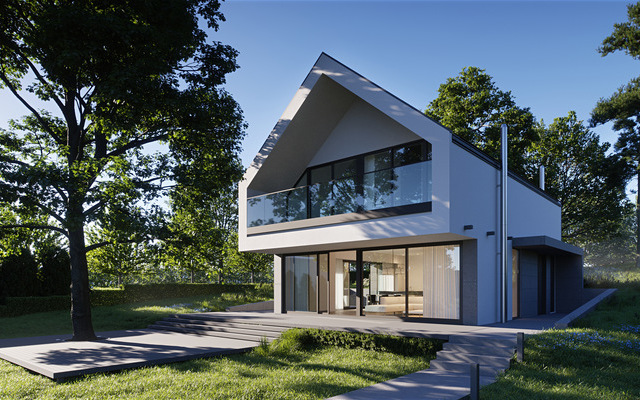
(405, 281)
(392, 177)
(386, 281)
(301, 282)
(440, 267)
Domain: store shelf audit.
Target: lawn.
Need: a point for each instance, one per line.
(599, 358)
(299, 374)
(290, 368)
(123, 316)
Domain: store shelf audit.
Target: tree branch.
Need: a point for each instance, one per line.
(45, 125)
(50, 212)
(136, 143)
(93, 208)
(35, 226)
(102, 244)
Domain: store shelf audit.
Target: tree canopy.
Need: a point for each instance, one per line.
(589, 184)
(474, 108)
(623, 107)
(121, 76)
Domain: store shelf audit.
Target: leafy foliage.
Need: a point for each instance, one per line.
(623, 107)
(472, 107)
(122, 75)
(589, 184)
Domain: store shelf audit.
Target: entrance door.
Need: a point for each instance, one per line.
(542, 284)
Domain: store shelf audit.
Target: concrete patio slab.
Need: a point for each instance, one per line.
(58, 359)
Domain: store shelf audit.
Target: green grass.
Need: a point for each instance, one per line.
(599, 358)
(293, 367)
(310, 374)
(124, 316)
(296, 366)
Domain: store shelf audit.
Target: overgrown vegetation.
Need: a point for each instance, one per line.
(599, 358)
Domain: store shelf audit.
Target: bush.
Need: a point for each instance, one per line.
(55, 274)
(16, 306)
(20, 274)
(298, 339)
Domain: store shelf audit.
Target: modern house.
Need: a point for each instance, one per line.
(372, 209)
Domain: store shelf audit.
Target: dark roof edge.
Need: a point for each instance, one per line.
(460, 142)
(546, 241)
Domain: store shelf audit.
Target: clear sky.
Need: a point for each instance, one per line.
(543, 52)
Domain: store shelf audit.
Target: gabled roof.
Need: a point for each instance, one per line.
(326, 94)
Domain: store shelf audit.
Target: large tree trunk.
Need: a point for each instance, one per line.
(80, 301)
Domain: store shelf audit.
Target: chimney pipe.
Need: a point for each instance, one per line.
(503, 225)
(542, 177)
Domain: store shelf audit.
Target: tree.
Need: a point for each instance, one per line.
(472, 107)
(200, 226)
(246, 263)
(121, 75)
(123, 255)
(623, 107)
(589, 184)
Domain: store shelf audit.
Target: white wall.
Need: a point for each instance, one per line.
(475, 196)
(361, 130)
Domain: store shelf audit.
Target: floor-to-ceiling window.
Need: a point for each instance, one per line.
(418, 281)
(302, 282)
(384, 288)
(434, 282)
(342, 282)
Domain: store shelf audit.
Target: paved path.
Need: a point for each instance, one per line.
(427, 384)
(56, 358)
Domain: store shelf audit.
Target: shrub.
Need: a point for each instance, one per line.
(297, 339)
(19, 272)
(55, 274)
(16, 306)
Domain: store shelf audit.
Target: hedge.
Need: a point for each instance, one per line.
(15, 306)
(295, 339)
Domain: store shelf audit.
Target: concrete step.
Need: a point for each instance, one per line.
(483, 341)
(218, 318)
(210, 328)
(229, 324)
(454, 366)
(495, 351)
(499, 362)
(246, 337)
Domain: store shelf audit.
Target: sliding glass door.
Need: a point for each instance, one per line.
(420, 281)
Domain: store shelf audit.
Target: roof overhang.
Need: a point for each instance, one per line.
(545, 245)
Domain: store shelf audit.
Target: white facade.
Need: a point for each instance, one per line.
(337, 114)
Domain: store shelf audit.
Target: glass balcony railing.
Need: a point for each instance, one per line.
(394, 187)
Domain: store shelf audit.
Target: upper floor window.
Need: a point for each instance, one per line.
(388, 178)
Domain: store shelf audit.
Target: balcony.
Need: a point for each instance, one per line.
(392, 188)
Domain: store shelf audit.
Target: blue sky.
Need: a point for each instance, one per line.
(543, 52)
